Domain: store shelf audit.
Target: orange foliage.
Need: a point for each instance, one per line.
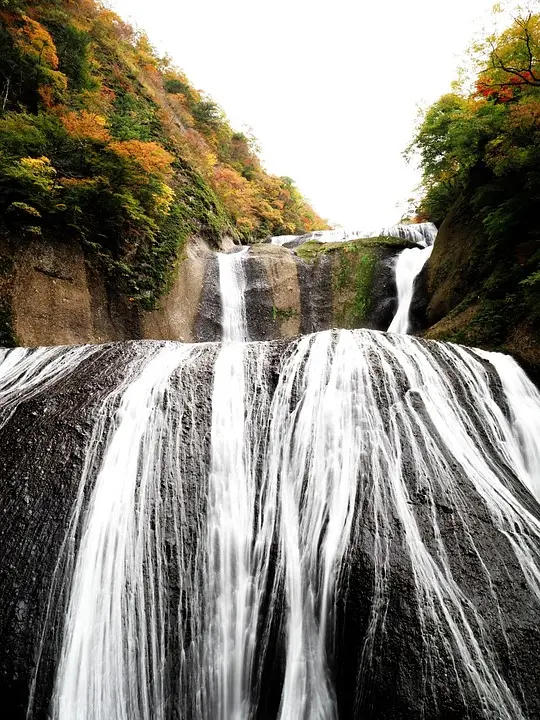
(149, 155)
(238, 196)
(86, 125)
(47, 96)
(525, 116)
(34, 40)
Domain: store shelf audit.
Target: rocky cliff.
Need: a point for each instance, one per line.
(474, 290)
(53, 294)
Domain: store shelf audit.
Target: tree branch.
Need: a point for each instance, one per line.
(8, 83)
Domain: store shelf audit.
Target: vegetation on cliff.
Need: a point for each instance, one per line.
(360, 270)
(103, 141)
(480, 155)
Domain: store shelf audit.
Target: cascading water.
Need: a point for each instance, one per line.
(409, 264)
(231, 581)
(114, 646)
(344, 529)
(420, 233)
(232, 287)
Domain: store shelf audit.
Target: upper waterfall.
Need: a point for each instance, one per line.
(232, 287)
(409, 264)
(420, 233)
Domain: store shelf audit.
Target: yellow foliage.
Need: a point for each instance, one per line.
(205, 159)
(180, 105)
(149, 155)
(34, 40)
(80, 182)
(40, 165)
(86, 125)
(163, 199)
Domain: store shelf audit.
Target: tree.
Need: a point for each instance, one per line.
(513, 60)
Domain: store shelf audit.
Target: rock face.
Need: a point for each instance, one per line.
(401, 564)
(310, 288)
(471, 289)
(51, 294)
(178, 312)
(352, 284)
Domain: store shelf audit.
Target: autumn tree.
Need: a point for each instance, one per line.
(488, 138)
(513, 60)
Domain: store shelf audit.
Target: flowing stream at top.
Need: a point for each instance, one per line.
(421, 233)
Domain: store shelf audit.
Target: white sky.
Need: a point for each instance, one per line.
(331, 89)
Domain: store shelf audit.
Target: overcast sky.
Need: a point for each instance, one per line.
(331, 89)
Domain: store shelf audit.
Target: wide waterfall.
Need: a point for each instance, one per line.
(343, 526)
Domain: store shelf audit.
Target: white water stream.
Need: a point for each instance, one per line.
(421, 233)
(409, 264)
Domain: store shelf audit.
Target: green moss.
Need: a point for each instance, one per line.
(352, 284)
(283, 314)
(312, 249)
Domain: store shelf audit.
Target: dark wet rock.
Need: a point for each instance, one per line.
(391, 676)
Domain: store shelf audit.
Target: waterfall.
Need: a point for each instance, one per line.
(231, 578)
(113, 652)
(337, 526)
(523, 401)
(420, 233)
(232, 286)
(409, 264)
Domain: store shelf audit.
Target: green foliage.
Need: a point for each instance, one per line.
(207, 113)
(74, 51)
(135, 118)
(92, 148)
(174, 85)
(486, 145)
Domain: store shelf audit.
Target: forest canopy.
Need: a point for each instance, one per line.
(488, 135)
(479, 150)
(104, 141)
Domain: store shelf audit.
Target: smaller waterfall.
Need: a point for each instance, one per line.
(408, 266)
(524, 404)
(232, 286)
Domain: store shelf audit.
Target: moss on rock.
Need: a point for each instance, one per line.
(312, 249)
(362, 278)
